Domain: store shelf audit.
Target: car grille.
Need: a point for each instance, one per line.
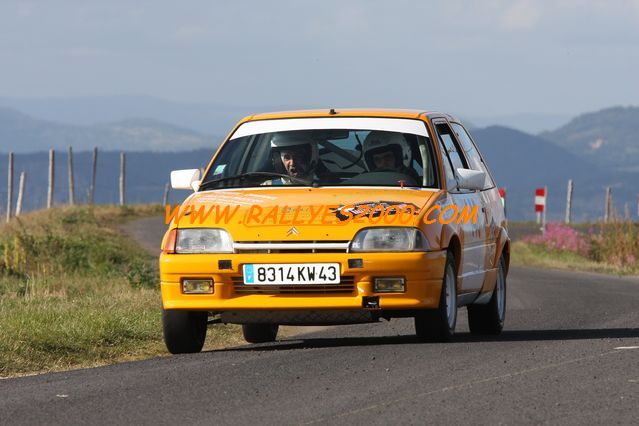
(346, 286)
(291, 246)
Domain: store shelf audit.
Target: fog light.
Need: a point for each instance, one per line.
(389, 285)
(197, 286)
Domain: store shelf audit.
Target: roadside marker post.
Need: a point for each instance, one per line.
(541, 195)
(502, 195)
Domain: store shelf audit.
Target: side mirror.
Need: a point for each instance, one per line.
(185, 179)
(470, 179)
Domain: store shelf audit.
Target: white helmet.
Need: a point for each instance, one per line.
(282, 140)
(379, 141)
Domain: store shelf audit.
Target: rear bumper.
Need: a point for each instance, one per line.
(422, 272)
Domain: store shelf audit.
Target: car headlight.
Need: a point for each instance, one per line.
(389, 239)
(203, 240)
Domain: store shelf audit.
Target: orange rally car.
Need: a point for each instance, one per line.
(336, 217)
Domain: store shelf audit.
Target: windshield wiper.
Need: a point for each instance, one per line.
(243, 176)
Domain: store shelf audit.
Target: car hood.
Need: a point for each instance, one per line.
(269, 214)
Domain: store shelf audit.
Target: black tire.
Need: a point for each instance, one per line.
(489, 318)
(438, 325)
(184, 331)
(260, 333)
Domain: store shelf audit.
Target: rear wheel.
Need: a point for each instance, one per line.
(489, 318)
(438, 325)
(260, 333)
(184, 331)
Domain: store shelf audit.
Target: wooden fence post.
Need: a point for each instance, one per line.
(626, 211)
(94, 165)
(569, 201)
(10, 187)
(20, 193)
(70, 173)
(608, 204)
(51, 178)
(165, 198)
(543, 214)
(122, 166)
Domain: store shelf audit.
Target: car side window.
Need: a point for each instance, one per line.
(474, 159)
(451, 182)
(452, 149)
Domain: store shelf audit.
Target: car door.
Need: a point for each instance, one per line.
(473, 235)
(489, 193)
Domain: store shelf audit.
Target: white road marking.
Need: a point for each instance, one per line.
(62, 396)
(627, 347)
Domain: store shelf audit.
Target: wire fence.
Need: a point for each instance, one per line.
(44, 180)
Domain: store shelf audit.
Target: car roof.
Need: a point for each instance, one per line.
(349, 112)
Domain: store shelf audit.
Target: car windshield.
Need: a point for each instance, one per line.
(324, 158)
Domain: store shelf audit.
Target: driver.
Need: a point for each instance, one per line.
(388, 151)
(295, 155)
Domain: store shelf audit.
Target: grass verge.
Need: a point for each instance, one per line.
(524, 254)
(76, 292)
(611, 248)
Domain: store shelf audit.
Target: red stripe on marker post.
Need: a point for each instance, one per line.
(502, 197)
(540, 199)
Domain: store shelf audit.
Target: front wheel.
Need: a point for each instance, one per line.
(438, 325)
(260, 333)
(489, 318)
(184, 331)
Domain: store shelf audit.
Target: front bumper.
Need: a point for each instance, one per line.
(422, 272)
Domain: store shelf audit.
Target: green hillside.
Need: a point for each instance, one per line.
(608, 138)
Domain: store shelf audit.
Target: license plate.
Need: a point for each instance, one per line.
(291, 273)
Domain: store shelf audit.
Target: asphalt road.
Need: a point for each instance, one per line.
(569, 355)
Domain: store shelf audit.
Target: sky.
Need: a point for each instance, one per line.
(488, 57)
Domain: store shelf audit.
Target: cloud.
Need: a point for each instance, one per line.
(25, 9)
(190, 33)
(520, 15)
(83, 52)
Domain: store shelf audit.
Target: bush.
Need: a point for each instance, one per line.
(140, 275)
(561, 237)
(68, 241)
(615, 243)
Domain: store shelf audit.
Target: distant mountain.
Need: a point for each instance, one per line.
(205, 118)
(530, 123)
(22, 133)
(608, 138)
(521, 162)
